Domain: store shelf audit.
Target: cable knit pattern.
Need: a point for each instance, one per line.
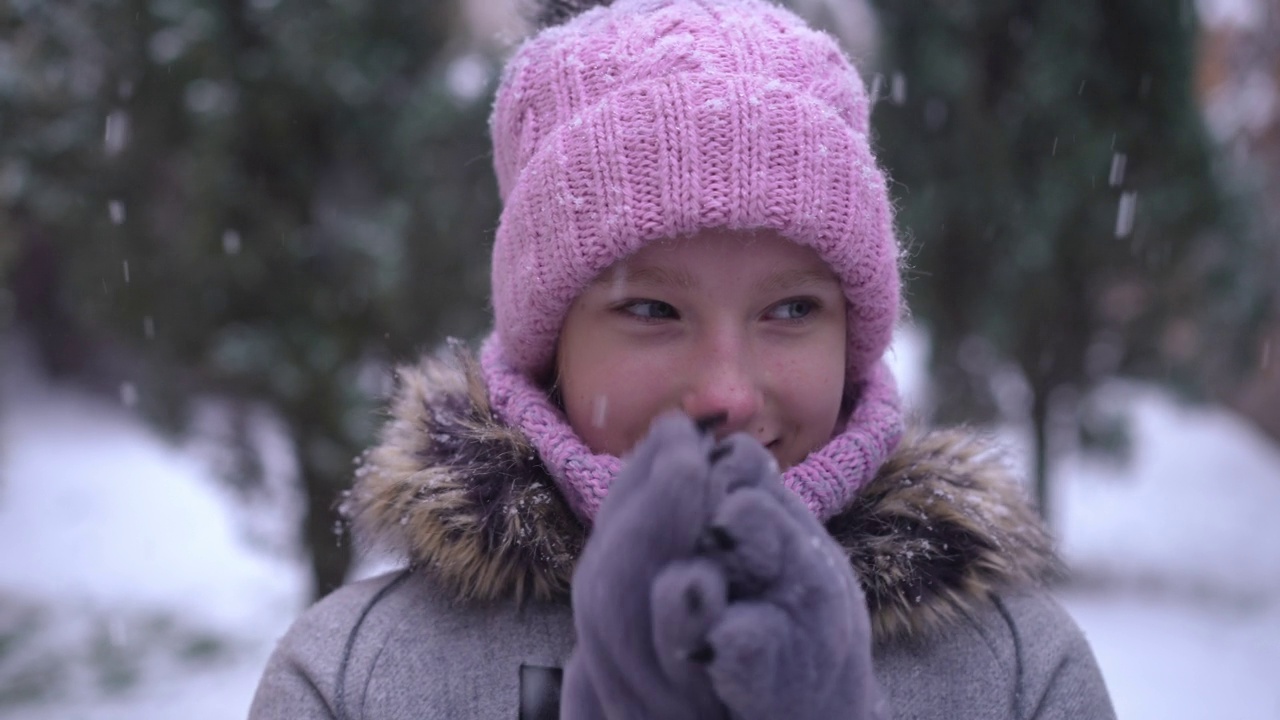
(654, 119)
(826, 480)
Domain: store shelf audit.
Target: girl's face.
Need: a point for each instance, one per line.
(748, 325)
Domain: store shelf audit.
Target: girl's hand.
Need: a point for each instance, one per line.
(770, 606)
(653, 516)
(707, 590)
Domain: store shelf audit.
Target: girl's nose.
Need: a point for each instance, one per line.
(724, 388)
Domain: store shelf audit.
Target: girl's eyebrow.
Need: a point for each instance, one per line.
(649, 276)
(800, 277)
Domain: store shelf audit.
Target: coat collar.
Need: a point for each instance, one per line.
(942, 527)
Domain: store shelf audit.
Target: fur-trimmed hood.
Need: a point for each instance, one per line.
(942, 526)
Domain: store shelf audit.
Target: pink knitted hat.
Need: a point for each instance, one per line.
(652, 119)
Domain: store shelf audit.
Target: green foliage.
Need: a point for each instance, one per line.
(266, 198)
(26, 674)
(1061, 196)
(70, 652)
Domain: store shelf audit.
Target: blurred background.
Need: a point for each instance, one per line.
(223, 223)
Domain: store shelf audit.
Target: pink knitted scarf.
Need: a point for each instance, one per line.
(826, 480)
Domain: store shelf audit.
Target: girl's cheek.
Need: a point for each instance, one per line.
(618, 396)
(808, 380)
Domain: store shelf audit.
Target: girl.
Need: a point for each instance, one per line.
(682, 424)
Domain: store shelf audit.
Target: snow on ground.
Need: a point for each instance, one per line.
(1178, 658)
(115, 546)
(1178, 562)
(126, 587)
(127, 509)
(1175, 557)
(1196, 510)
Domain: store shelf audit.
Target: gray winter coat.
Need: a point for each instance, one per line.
(951, 557)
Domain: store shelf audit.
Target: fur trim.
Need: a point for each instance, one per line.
(546, 13)
(449, 487)
(942, 527)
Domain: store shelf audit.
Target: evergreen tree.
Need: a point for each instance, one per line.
(269, 200)
(1061, 201)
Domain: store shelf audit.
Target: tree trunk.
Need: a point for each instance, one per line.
(324, 535)
(1040, 440)
(961, 395)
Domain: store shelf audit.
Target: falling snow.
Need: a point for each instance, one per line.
(116, 132)
(128, 394)
(599, 409)
(1118, 161)
(898, 89)
(231, 242)
(1125, 214)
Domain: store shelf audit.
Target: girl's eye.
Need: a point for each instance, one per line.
(650, 310)
(793, 309)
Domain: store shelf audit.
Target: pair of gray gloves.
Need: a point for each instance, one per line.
(708, 590)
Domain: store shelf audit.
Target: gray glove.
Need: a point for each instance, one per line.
(653, 516)
(708, 590)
